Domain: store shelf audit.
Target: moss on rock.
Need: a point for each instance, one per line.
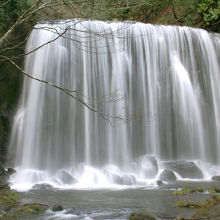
(212, 190)
(9, 216)
(12, 209)
(185, 191)
(141, 215)
(33, 208)
(211, 210)
(9, 198)
(189, 204)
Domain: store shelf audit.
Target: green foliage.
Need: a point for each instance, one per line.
(212, 190)
(9, 198)
(208, 208)
(182, 191)
(121, 9)
(195, 13)
(10, 11)
(210, 11)
(9, 202)
(31, 209)
(185, 191)
(10, 216)
(141, 215)
(190, 204)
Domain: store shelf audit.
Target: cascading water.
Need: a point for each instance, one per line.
(156, 90)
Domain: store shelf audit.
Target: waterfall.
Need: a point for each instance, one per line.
(138, 95)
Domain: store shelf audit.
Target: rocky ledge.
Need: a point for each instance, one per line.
(10, 205)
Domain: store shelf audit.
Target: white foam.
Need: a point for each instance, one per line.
(90, 178)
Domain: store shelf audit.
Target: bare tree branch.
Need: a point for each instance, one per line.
(1, 6)
(90, 103)
(69, 93)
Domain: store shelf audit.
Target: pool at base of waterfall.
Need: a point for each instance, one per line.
(87, 192)
(116, 204)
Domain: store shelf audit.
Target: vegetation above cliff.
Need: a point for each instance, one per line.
(195, 13)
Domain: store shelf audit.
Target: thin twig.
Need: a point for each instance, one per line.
(68, 92)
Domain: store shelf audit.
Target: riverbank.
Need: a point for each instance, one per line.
(11, 205)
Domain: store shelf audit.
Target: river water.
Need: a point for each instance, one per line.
(107, 204)
(118, 204)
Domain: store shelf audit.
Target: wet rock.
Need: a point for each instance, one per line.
(42, 186)
(210, 210)
(8, 199)
(10, 171)
(179, 218)
(114, 178)
(216, 178)
(3, 179)
(4, 185)
(66, 178)
(186, 169)
(167, 176)
(32, 208)
(57, 208)
(128, 180)
(160, 183)
(3, 172)
(148, 165)
(4, 176)
(141, 215)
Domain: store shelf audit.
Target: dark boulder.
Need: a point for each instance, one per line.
(160, 183)
(216, 178)
(10, 171)
(4, 185)
(66, 178)
(128, 180)
(42, 186)
(141, 215)
(114, 178)
(3, 172)
(57, 208)
(186, 169)
(148, 166)
(167, 176)
(4, 179)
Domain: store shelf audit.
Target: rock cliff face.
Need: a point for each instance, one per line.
(10, 82)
